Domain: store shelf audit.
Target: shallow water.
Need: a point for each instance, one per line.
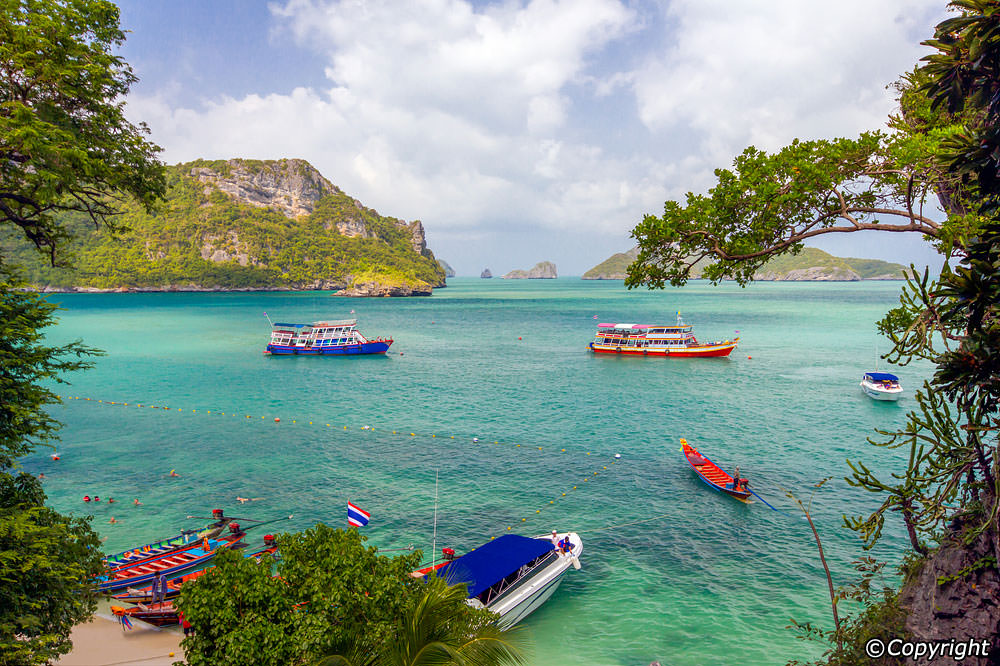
(671, 570)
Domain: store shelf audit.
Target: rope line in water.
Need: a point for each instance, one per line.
(367, 428)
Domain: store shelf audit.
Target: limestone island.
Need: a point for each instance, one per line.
(243, 225)
(486, 274)
(543, 270)
(811, 264)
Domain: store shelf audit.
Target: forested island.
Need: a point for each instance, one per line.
(241, 225)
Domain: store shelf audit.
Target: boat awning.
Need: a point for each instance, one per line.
(293, 325)
(493, 561)
(881, 377)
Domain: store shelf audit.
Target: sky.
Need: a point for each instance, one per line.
(521, 131)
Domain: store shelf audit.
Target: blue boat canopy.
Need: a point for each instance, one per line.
(493, 561)
(882, 377)
(292, 325)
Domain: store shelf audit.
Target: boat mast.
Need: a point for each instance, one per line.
(268, 320)
(434, 542)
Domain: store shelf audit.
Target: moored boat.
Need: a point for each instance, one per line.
(713, 475)
(881, 386)
(677, 341)
(323, 338)
(158, 614)
(170, 544)
(513, 575)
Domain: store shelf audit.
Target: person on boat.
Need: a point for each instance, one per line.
(736, 479)
(565, 546)
(555, 539)
(160, 589)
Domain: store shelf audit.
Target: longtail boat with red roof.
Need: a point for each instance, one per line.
(676, 341)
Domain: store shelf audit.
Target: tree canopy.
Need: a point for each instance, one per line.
(65, 142)
(328, 596)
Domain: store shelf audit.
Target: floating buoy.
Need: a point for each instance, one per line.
(519, 337)
(475, 439)
(618, 456)
(749, 357)
(55, 456)
(86, 498)
(277, 420)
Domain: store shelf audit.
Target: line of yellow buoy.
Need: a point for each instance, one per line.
(366, 428)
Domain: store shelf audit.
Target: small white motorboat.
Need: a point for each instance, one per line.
(881, 386)
(513, 575)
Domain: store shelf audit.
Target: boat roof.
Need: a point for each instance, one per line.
(321, 324)
(882, 376)
(493, 561)
(640, 327)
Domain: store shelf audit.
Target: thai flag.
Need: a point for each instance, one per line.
(356, 516)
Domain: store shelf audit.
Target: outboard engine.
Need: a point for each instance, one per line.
(218, 514)
(449, 553)
(269, 540)
(234, 528)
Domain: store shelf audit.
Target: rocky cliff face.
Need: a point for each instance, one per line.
(543, 270)
(448, 270)
(292, 186)
(486, 273)
(956, 595)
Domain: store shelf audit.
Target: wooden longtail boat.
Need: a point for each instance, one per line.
(160, 615)
(172, 564)
(144, 595)
(170, 544)
(712, 474)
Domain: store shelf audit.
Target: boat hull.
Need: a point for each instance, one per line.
(881, 394)
(694, 351)
(374, 347)
(712, 475)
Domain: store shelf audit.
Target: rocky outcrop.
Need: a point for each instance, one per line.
(813, 274)
(292, 186)
(448, 270)
(956, 594)
(380, 289)
(486, 273)
(543, 270)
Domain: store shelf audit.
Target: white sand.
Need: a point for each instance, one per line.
(102, 642)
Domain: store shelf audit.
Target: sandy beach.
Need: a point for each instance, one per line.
(102, 642)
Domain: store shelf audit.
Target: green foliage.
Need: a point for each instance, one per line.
(331, 590)
(46, 563)
(439, 628)
(769, 204)
(265, 249)
(65, 144)
(26, 367)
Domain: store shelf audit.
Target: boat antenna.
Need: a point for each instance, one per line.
(268, 320)
(435, 538)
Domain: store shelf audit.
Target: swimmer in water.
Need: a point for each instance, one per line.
(173, 473)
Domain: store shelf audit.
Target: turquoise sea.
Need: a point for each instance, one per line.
(671, 570)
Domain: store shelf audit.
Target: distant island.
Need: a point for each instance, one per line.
(448, 270)
(243, 225)
(810, 264)
(486, 274)
(543, 270)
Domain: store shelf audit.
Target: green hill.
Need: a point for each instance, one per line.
(808, 265)
(243, 224)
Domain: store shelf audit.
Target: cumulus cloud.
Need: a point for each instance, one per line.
(479, 119)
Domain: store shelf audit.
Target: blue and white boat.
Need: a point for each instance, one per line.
(513, 575)
(881, 386)
(323, 338)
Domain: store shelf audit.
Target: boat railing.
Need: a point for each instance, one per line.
(517, 579)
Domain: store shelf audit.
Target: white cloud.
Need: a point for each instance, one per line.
(477, 119)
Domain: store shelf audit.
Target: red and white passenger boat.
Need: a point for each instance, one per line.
(657, 340)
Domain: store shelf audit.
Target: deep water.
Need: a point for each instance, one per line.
(671, 570)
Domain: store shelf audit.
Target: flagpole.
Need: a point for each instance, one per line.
(434, 542)
(268, 320)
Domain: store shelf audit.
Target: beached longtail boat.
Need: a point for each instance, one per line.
(323, 338)
(144, 595)
(172, 564)
(712, 474)
(675, 341)
(159, 614)
(170, 544)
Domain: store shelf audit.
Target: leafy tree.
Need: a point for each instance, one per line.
(46, 562)
(945, 141)
(65, 144)
(332, 596)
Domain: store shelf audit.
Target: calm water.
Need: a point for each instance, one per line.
(671, 571)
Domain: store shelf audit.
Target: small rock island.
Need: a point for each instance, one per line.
(543, 270)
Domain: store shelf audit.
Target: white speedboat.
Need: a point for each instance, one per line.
(881, 386)
(513, 575)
